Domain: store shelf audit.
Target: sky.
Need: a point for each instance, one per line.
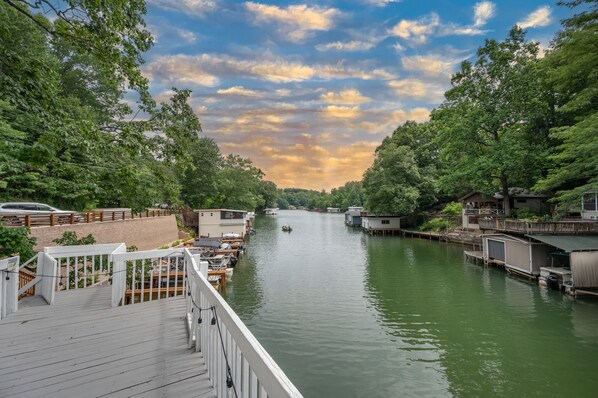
(307, 91)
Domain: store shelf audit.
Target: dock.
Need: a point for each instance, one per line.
(85, 336)
(81, 347)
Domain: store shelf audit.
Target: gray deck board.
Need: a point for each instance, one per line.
(80, 347)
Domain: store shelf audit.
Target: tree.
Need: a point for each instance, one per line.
(238, 184)
(493, 124)
(572, 72)
(402, 177)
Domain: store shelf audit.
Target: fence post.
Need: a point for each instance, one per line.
(51, 219)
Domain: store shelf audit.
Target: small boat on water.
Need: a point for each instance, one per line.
(287, 228)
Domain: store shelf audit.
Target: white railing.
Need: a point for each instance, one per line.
(9, 285)
(83, 266)
(148, 275)
(233, 356)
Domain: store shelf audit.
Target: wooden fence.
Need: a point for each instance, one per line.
(550, 228)
(50, 220)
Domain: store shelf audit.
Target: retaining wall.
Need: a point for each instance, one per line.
(145, 233)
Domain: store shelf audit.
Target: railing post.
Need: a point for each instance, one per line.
(28, 220)
(51, 219)
(101, 216)
(72, 218)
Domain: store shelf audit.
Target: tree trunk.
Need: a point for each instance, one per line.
(505, 194)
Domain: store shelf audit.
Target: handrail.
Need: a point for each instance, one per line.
(9, 285)
(554, 227)
(85, 217)
(253, 371)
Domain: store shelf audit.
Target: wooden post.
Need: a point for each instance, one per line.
(113, 216)
(28, 220)
(124, 215)
(101, 216)
(72, 218)
(147, 213)
(51, 219)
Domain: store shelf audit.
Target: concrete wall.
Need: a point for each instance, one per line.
(145, 233)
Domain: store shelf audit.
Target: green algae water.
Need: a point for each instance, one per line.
(349, 315)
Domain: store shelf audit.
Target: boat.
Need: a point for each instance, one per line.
(287, 228)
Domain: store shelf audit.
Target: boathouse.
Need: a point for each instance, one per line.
(333, 210)
(353, 216)
(388, 224)
(271, 211)
(521, 256)
(576, 254)
(217, 222)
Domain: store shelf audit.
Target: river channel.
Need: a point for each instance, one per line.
(349, 315)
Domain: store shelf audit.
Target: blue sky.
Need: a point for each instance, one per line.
(307, 91)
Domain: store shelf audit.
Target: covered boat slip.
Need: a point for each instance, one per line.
(80, 347)
(583, 256)
(516, 254)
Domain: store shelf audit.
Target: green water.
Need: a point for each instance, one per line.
(348, 315)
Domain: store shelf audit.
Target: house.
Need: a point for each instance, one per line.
(333, 210)
(387, 224)
(271, 211)
(353, 216)
(521, 256)
(217, 222)
(589, 206)
(476, 205)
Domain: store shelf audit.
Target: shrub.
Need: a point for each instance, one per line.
(69, 238)
(452, 209)
(16, 241)
(436, 224)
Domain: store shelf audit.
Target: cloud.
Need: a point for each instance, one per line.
(187, 35)
(540, 17)
(296, 22)
(190, 7)
(431, 65)
(416, 30)
(344, 112)
(353, 45)
(253, 122)
(418, 89)
(238, 91)
(381, 3)
(176, 68)
(205, 70)
(351, 96)
(482, 12)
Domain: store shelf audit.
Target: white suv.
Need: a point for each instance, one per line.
(29, 208)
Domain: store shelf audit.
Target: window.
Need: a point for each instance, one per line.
(385, 222)
(202, 214)
(589, 202)
(43, 208)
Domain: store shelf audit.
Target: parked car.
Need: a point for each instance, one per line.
(29, 208)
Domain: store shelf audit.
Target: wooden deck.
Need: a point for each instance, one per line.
(80, 347)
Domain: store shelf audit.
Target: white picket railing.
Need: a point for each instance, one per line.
(148, 275)
(233, 356)
(9, 285)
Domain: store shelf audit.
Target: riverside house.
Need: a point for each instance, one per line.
(217, 222)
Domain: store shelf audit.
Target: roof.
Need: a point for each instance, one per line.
(214, 210)
(514, 192)
(569, 243)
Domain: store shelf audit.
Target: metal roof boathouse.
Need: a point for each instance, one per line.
(109, 323)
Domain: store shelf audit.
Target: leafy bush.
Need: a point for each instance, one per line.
(69, 238)
(436, 224)
(452, 209)
(16, 241)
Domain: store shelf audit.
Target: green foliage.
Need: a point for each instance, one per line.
(573, 76)
(16, 241)
(493, 124)
(452, 209)
(350, 194)
(70, 238)
(402, 178)
(437, 225)
(308, 198)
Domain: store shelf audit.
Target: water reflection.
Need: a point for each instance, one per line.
(479, 329)
(348, 315)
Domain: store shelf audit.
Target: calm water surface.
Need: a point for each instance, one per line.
(348, 315)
